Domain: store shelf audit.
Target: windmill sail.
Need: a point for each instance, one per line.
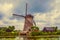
(34, 23)
(26, 9)
(18, 15)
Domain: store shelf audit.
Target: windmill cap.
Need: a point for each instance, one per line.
(29, 15)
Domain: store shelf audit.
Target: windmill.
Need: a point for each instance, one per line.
(29, 22)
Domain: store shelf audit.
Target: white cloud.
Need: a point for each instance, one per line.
(6, 7)
(49, 17)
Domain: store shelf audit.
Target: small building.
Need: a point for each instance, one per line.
(50, 29)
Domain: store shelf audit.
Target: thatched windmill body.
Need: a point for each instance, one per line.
(29, 22)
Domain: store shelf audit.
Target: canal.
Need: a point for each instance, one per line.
(20, 38)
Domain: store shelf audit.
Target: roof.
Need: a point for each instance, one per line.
(29, 15)
(49, 28)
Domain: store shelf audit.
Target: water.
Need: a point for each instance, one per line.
(18, 38)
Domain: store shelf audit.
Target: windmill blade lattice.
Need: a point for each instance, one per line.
(18, 15)
(34, 23)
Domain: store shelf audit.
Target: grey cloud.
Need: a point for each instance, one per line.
(1, 15)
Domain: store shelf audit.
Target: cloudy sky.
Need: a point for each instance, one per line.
(46, 12)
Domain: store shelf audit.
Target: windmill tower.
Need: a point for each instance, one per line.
(29, 22)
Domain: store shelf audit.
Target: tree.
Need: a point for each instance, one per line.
(35, 31)
(10, 28)
(34, 28)
(56, 28)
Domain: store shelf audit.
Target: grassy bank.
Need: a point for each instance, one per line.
(9, 34)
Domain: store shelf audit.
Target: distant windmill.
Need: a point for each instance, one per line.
(29, 22)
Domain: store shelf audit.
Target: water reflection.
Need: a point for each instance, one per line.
(18, 38)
